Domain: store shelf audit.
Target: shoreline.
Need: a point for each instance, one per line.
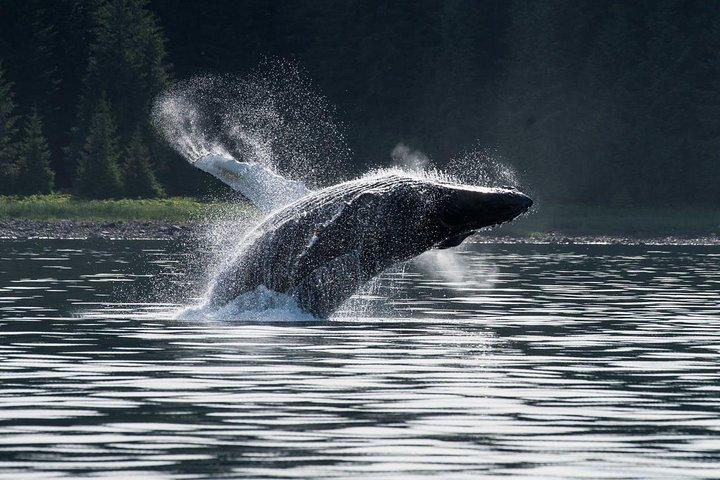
(22, 229)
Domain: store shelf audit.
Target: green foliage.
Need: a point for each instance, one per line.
(127, 65)
(30, 56)
(98, 174)
(594, 101)
(34, 38)
(140, 181)
(62, 206)
(35, 175)
(8, 131)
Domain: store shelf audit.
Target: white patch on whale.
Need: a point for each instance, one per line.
(266, 189)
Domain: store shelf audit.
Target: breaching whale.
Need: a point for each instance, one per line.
(322, 247)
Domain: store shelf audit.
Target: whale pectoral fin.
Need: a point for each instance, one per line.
(364, 200)
(266, 189)
(339, 233)
(324, 289)
(454, 241)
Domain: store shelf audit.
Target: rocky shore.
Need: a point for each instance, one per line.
(161, 230)
(77, 229)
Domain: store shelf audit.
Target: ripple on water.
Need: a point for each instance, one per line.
(525, 361)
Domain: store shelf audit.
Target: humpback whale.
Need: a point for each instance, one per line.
(324, 245)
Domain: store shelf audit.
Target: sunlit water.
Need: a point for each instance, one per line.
(524, 361)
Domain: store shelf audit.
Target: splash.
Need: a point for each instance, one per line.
(482, 166)
(450, 266)
(409, 160)
(260, 305)
(272, 117)
(270, 136)
(478, 166)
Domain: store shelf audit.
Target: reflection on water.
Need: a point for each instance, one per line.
(525, 361)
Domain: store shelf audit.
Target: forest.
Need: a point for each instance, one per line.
(592, 101)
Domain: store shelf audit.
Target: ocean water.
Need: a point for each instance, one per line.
(521, 361)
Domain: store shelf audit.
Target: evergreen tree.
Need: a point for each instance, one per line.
(610, 101)
(127, 64)
(8, 147)
(140, 181)
(35, 175)
(98, 174)
(28, 44)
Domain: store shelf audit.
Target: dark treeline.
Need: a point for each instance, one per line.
(594, 101)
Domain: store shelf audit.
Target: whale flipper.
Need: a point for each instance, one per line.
(266, 189)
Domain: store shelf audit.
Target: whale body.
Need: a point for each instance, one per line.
(322, 247)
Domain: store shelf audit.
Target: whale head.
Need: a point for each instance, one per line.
(462, 210)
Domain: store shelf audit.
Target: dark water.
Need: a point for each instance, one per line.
(499, 361)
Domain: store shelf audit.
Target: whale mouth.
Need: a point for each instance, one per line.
(465, 210)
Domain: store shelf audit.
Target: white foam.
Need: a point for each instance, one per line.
(260, 305)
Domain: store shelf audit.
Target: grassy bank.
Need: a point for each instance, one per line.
(67, 207)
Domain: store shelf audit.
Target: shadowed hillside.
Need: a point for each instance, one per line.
(612, 103)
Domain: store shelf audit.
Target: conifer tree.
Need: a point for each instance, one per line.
(35, 174)
(98, 174)
(127, 63)
(140, 181)
(8, 147)
(27, 45)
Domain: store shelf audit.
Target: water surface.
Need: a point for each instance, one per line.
(536, 361)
